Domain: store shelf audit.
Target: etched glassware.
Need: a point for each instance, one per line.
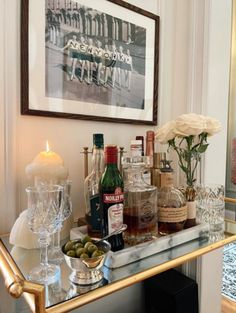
(54, 254)
(140, 206)
(211, 208)
(44, 219)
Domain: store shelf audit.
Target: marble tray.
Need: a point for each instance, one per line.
(131, 254)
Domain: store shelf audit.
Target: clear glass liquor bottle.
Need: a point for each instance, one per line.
(140, 206)
(91, 187)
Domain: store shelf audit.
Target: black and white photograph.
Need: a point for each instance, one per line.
(98, 61)
(95, 56)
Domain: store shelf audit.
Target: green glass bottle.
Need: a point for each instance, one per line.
(91, 187)
(111, 191)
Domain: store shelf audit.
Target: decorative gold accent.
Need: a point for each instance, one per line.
(230, 200)
(16, 288)
(17, 285)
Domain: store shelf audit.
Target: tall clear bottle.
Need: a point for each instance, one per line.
(91, 187)
(112, 199)
(150, 136)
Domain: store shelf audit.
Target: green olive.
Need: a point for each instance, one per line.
(97, 253)
(89, 243)
(91, 248)
(78, 245)
(86, 239)
(69, 246)
(84, 256)
(80, 251)
(71, 253)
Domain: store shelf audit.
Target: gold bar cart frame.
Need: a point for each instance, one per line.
(35, 294)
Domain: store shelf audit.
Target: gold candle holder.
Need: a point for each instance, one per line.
(86, 152)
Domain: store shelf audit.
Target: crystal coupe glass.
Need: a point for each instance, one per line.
(43, 214)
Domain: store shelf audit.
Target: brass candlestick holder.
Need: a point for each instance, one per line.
(86, 152)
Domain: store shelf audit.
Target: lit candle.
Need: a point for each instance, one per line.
(47, 166)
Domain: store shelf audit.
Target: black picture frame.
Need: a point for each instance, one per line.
(27, 109)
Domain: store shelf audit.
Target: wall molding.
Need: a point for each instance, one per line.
(9, 109)
(3, 191)
(230, 187)
(213, 101)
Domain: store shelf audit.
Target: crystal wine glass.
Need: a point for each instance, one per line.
(55, 255)
(44, 211)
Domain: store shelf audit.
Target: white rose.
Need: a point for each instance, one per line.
(190, 124)
(166, 132)
(213, 126)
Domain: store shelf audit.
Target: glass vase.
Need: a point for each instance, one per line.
(190, 195)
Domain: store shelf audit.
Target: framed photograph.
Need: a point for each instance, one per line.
(87, 59)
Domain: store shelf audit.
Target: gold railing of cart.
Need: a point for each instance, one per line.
(34, 294)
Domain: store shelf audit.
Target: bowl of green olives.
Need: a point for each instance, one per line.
(85, 257)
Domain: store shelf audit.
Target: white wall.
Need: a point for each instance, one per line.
(215, 92)
(2, 116)
(183, 81)
(26, 135)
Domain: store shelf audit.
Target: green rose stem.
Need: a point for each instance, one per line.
(189, 154)
(182, 136)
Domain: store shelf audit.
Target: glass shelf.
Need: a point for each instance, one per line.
(64, 296)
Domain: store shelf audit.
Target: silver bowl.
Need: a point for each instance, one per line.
(87, 271)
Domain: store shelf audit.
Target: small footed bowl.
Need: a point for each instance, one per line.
(87, 271)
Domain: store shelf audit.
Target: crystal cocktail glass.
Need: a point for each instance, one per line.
(44, 212)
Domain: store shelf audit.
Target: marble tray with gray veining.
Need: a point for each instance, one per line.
(131, 254)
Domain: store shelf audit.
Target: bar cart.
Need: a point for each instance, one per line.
(13, 270)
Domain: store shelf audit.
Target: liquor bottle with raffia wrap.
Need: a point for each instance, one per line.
(111, 190)
(91, 187)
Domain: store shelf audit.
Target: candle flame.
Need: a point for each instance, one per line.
(47, 146)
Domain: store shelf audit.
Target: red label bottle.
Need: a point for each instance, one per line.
(111, 191)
